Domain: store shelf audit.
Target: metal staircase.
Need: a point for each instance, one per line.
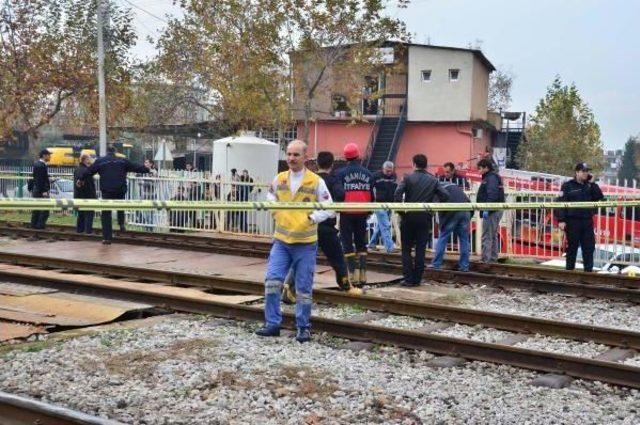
(386, 140)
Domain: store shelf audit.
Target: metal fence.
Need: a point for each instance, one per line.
(254, 223)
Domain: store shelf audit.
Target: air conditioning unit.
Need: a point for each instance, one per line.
(477, 133)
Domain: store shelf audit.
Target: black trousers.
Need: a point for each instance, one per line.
(39, 218)
(353, 229)
(329, 243)
(106, 217)
(580, 234)
(84, 223)
(415, 231)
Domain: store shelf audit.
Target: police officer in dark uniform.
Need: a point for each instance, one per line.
(40, 187)
(578, 222)
(113, 185)
(84, 188)
(357, 183)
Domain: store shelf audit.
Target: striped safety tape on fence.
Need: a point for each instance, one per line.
(101, 204)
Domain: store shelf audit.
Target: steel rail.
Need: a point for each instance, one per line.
(576, 283)
(260, 248)
(502, 321)
(610, 372)
(18, 410)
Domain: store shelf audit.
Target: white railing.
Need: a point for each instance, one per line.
(252, 223)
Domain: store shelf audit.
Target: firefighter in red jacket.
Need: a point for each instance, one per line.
(357, 182)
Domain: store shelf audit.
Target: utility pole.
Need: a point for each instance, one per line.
(102, 98)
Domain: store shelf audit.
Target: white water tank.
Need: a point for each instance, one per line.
(260, 158)
(245, 152)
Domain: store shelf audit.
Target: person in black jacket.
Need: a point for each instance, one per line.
(415, 227)
(84, 188)
(578, 222)
(384, 187)
(451, 175)
(491, 190)
(113, 185)
(41, 188)
(244, 193)
(454, 222)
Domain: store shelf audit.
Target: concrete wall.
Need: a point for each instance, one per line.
(439, 99)
(440, 142)
(479, 90)
(332, 135)
(442, 99)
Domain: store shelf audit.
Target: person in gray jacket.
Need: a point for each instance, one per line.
(415, 227)
(491, 190)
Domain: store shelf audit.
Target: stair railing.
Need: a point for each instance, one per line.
(398, 133)
(372, 140)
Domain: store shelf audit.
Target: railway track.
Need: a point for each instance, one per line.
(260, 248)
(588, 285)
(592, 369)
(17, 410)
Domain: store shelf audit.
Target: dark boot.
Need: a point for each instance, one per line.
(354, 272)
(343, 282)
(346, 286)
(362, 265)
(303, 335)
(268, 331)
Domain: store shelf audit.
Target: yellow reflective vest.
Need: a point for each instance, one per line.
(295, 226)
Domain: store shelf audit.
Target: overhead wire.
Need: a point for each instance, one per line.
(146, 11)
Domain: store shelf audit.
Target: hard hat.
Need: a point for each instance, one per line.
(351, 151)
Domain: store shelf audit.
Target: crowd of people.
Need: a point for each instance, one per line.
(298, 234)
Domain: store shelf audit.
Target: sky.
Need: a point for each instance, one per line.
(592, 43)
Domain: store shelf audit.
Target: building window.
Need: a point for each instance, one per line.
(426, 75)
(454, 75)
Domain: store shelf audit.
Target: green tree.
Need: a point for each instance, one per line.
(500, 83)
(629, 170)
(48, 61)
(339, 37)
(239, 51)
(231, 52)
(562, 132)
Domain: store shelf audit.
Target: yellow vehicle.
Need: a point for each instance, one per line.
(67, 156)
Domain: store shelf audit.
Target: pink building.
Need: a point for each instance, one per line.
(425, 99)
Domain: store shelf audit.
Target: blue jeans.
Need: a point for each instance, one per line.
(383, 230)
(302, 259)
(458, 223)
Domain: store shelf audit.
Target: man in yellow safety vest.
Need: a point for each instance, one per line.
(295, 241)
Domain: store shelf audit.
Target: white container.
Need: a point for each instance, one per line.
(260, 158)
(245, 152)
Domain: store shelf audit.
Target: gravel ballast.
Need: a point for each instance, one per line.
(597, 312)
(208, 371)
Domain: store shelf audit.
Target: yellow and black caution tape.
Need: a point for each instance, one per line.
(101, 204)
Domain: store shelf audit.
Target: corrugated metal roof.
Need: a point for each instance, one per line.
(64, 309)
